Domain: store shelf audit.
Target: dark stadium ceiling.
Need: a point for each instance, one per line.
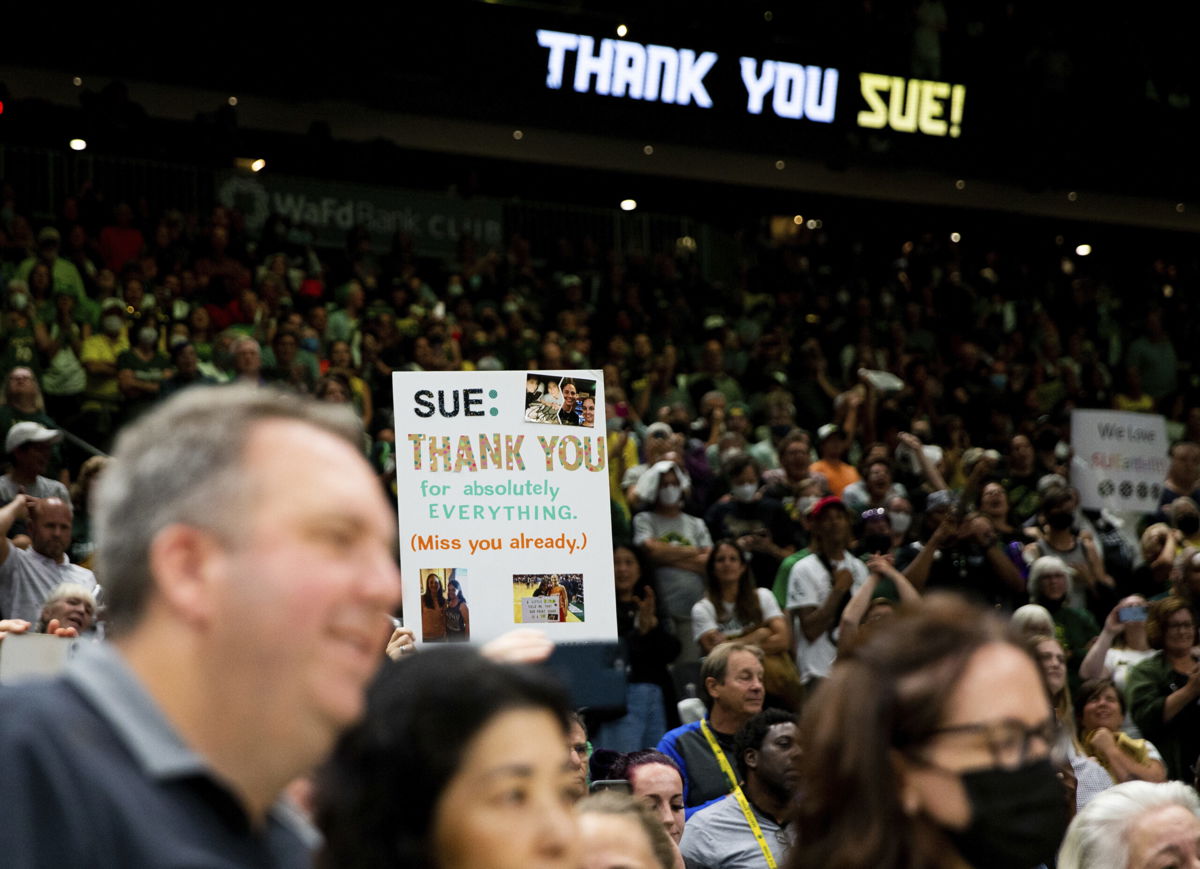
(1060, 95)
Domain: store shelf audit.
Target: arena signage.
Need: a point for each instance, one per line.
(660, 73)
(624, 69)
(934, 108)
(1119, 459)
(328, 210)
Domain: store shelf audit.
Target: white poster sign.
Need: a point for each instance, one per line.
(502, 483)
(1120, 459)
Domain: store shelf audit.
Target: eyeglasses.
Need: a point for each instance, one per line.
(1186, 626)
(1010, 740)
(873, 513)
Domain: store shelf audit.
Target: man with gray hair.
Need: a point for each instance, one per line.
(249, 561)
(247, 361)
(732, 674)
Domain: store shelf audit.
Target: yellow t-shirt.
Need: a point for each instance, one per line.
(101, 348)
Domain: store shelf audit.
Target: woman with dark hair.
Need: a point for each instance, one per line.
(930, 748)
(458, 764)
(1100, 714)
(733, 607)
(569, 413)
(655, 779)
(458, 617)
(333, 388)
(433, 608)
(649, 648)
(1163, 690)
(341, 361)
(993, 503)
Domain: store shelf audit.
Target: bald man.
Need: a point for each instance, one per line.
(29, 576)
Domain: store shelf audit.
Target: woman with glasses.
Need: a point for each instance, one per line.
(1164, 690)
(930, 747)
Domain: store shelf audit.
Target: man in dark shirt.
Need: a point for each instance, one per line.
(246, 604)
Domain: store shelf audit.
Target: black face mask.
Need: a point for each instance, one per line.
(1060, 521)
(1189, 524)
(1018, 817)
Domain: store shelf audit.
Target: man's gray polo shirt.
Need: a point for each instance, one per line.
(94, 775)
(27, 577)
(719, 837)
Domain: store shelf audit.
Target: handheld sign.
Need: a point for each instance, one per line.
(503, 490)
(1120, 459)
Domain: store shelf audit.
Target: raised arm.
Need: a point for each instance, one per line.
(17, 508)
(1092, 666)
(928, 469)
(856, 608)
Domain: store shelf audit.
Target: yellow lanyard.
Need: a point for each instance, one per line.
(723, 762)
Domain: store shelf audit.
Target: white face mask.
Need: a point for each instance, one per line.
(669, 496)
(900, 522)
(744, 491)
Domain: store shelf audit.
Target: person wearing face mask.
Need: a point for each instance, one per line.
(141, 370)
(758, 523)
(1094, 590)
(899, 514)
(99, 355)
(1185, 518)
(19, 331)
(676, 543)
(930, 748)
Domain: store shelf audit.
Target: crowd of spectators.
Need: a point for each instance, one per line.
(794, 451)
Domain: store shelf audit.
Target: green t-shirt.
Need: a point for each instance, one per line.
(152, 370)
